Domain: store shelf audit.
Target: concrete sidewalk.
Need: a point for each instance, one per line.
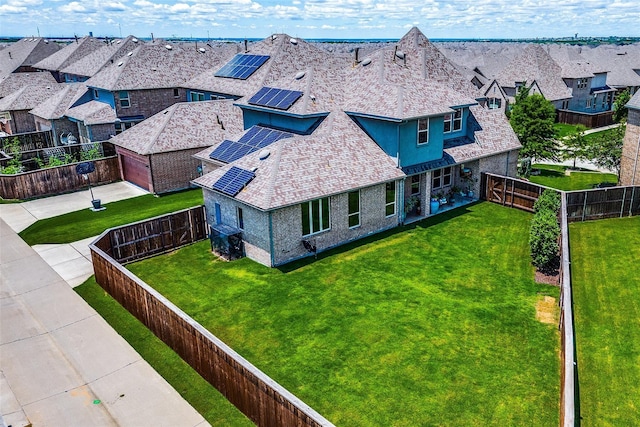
(61, 364)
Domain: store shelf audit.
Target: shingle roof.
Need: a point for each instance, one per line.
(56, 106)
(308, 167)
(98, 59)
(153, 66)
(534, 63)
(619, 61)
(25, 52)
(69, 54)
(183, 126)
(93, 113)
(15, 81)
(29, 97)
(634, 102)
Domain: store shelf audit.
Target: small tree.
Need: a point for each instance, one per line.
(576, 146)
(549, 200)
(532, 119)
(620, 112)
(606, 151)
(544, 233)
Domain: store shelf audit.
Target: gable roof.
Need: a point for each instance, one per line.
(25, 52)
(92, 113)
(69, 54)
(29, 96)
(56, 106)
(621, 62)
(182, 126)
(99, 58)
(12, 82)
(154, 66)
(304, 168)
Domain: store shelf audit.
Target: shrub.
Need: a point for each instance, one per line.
(548, 200)
(543, 238)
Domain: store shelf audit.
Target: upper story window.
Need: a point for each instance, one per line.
(495, 103)
(588, 105)
(582, 83)
(453, 121)
(197, 96)
(125, 101)
(354, 209)
(415, 185)
(423, 131)
(240, 218)
(315, 216)
(176, 93)
(441, 178)
(390, 199)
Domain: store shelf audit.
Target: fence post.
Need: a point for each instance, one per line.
(624, 199)
(633, 195)
(584, 205)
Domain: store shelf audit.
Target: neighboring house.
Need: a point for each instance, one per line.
(157, 154)
(622, 62)
(331, 155)
(51, 114)
(20, 57)
(16, 81)
(86, 67)
(66, 56)
(94, 121)
(15, 107)
(630, 161)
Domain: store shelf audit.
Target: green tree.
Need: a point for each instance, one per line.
(620, 112)
(532, 119)
(605, 151)
(576, 146)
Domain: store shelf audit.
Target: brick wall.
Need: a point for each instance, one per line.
(148, 102)
(630, 161)
(22, 122)
(500, 164)
(174, 170)
(102, 132)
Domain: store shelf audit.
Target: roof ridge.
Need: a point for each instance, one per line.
(169, 112)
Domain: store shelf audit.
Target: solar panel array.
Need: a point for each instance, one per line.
(256, 138)
(233, 181)
(281, 99)
(242, 66)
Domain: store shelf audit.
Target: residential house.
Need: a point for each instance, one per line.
(66, 56)
(15, 107)
(20, 57)
(50, 115)
(157, 154)
(16, 81)
(331, 155)
(630, 160)
(622, 63)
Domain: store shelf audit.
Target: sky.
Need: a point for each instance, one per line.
(313, 19)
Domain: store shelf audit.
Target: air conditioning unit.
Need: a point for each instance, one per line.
(226, 241)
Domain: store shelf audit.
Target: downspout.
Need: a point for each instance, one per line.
(271, 248)
(398, 143)
(152, 189)
(635, 164)
(506, 172)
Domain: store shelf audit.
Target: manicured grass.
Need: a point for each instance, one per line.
(81, 224)
(198, 392)
(606, 133)
(433, 324)
(553, 176)
(563, 129)
(606, 292)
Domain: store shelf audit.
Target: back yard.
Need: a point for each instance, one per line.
(606, 289)
(434, 324)
(554, 176)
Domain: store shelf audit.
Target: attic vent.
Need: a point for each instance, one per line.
(300, 75)
(130, 53)
(273, 37)
(263, 154)
(134, 40)
(366, 62)
(46, 41)
(118, 41)
(400, 54)
(201, 50)
(313, 98)
(293, 41)
(168, 46)
(120, 64)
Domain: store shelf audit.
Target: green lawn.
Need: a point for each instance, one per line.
(198, 392)
(433, 324)
(605, 269)
(594, 135)
(553, 176)
(563, 129)
(85, 223)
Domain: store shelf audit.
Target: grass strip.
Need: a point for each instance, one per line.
(554, 176)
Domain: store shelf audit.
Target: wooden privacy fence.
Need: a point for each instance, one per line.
(511, 192)
(61, 179)
(612, 202)
(259, 397)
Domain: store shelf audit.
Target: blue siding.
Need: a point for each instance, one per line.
(463, 129)
(385, 134)
(103, 96)
(599, 80)
(279, 121)
(208, 96)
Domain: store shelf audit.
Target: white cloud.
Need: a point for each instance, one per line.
(73, 7)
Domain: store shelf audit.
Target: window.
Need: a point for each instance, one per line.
(125, 102)
(453, 122)
(582, 83)
(441, 178)
(122, 126)
(423, 131)
(494, 103)
(589, 102)
(315, 216)
(565, 105)
(390, 199)
(176, 93)
(95, 94)
(240, 219)
(354, 209)
(415, 185)
(197, 96)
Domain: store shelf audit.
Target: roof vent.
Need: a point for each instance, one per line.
(366, 62)
(46, 41)
(400, 54)
(264, 154)
(293, 41)
(300, 75)
(135, 40)
(168, 46)
(120, 64)
(201, 50)
(273, 37)
(118, 41)
(313, 98)
(130, 53)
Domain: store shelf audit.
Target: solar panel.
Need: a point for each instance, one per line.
(256, 138)
(281, 99)
(233, 181)
(242, 66)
